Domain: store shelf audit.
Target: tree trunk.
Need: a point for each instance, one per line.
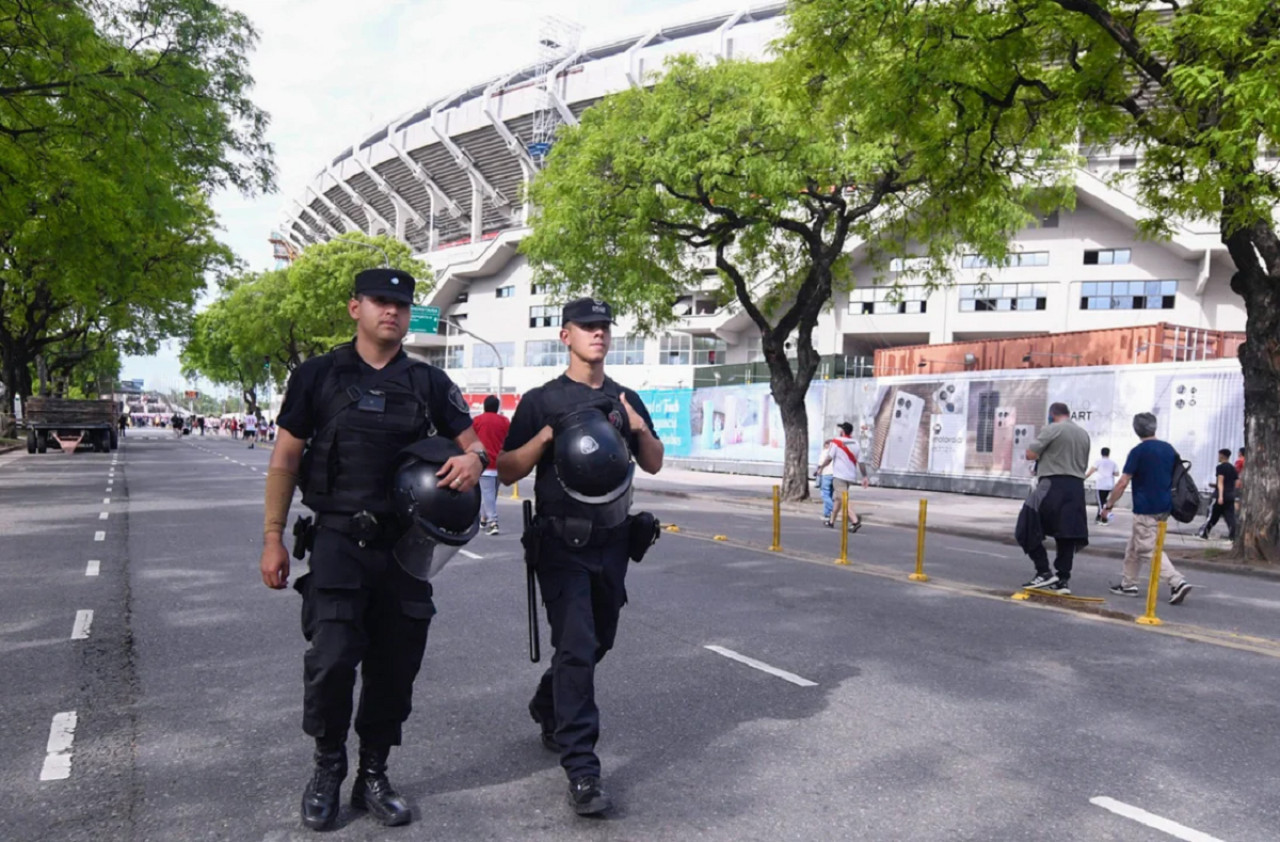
(785, 386)
(250, 395)
(1259, 533)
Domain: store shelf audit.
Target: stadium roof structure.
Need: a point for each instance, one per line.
(453, 171)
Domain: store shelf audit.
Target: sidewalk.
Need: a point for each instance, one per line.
(985, 518)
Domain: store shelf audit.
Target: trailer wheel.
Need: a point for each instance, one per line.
(115, 439)
(42, 442)
(31, 441)
(100, 444)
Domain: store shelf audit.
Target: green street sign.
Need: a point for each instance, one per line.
(424, 319)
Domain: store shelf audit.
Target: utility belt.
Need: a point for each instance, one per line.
(363, 527)
(640, 531)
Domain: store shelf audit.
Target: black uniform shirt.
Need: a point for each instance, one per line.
(532, 415)
(449, 411)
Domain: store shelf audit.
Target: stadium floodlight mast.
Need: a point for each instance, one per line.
(496, 353)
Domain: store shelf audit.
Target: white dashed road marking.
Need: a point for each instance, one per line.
(100, 535)
(57, 760)
(102, 515)
(469, 554)
(92, 568)
(762, 666)
(1178, 831)
(106, 501)
(84, 621)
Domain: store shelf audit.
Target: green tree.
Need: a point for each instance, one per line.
(224, 346)
(731, 161)
(1195, 86)
(116, 118)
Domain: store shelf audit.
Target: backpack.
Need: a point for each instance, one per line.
(1185, 493)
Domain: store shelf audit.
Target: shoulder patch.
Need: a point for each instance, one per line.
(458, 401)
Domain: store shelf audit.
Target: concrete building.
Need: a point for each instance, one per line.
(447, 179)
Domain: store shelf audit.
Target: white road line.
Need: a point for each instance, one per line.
(1178, 831)
(762, 666)
(469, 554)
(975, 552)
(92, 568)
(106, 501)
(84, 620)
(57, 760)
(99, 535)
(254, 470)
(102, 515)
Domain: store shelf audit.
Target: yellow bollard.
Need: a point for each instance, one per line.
(777, 520)
(919, 575)
(1153, 588)
(671, 527)
(515, 491)
(719, 537)
(844, 531)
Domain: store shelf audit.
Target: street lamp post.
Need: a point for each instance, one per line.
(496, 353)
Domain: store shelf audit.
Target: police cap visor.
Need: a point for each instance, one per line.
(393, 284)
(585, 311)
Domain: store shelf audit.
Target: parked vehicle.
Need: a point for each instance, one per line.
(68, 424)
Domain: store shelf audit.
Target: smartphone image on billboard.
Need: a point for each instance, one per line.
(904, 429)
(1002, 438)
(986, 428)
(1023, 436)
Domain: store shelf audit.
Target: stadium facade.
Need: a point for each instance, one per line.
(448, 180)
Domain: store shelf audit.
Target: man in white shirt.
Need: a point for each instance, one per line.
(251, 429)
(845, 458)
(1106, 471)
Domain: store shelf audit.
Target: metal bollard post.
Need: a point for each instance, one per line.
(777, 520)
(919, 575)
(515, 491)
(844, 531)
(1153, 587)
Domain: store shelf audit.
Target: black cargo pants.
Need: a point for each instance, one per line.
(584, 591)
(359, 608)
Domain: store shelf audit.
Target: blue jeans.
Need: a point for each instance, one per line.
(489, 498)
(828, 499)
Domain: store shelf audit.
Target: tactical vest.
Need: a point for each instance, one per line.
(559, 398)
(363, 420)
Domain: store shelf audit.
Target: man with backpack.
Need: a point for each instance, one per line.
(843, 457)
(1150, 467)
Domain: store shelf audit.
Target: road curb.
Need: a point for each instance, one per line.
(961, 532)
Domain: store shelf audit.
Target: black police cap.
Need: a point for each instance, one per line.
(586, 311)
(395, 284)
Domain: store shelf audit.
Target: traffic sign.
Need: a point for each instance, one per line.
(424, 319)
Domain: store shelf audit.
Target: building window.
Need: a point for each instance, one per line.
(462, 298)
(755, 349)
(707, 350)
(505, 292)
(626, 350)
(537, 289)
(675, 349)
(435, 356)
(885, 301)
(1106, 257)
(1128, 162)
(695, 305)
(909, 264)
(979, 298)
(1128, 295)
(454, 356)
(544, 316)
(545, 352)
(1049, 221)
(483, 356)
(1012, 261)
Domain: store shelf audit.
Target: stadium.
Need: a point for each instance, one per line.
(447, 179)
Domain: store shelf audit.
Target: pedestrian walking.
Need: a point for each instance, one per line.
(251, 429)
(491, 427)
(271, 430)
(581, 431)
(200, 422)
(357, 412)
(843, 457)
(1106, 471)
(1149, 467)
(825, 480)
(1226, 479)
(1056, 507)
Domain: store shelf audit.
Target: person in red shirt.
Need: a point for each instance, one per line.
(491, 426)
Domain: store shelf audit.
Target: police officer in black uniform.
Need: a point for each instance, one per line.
(566, 429)
(346, 416)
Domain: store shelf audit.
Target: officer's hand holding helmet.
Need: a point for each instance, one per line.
(439, 520)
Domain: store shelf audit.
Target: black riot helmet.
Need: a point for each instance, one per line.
(438, 520)
(593, 462)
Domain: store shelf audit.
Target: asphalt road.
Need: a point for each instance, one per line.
(921, 712)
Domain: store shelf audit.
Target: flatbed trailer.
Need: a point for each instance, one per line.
(67, 424)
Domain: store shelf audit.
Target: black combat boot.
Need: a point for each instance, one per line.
(372, 791)
(320, 801)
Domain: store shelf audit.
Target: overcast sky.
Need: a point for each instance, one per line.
(330, 71)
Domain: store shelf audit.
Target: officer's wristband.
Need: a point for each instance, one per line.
(279, 494)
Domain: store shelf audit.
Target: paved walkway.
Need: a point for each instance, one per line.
(990, 518)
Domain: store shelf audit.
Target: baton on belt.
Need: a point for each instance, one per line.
(531, 560)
